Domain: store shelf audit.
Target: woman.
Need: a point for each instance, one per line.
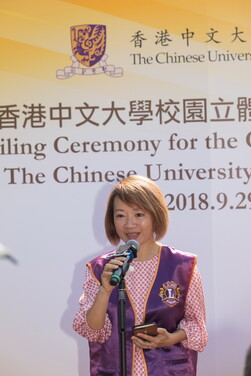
(165, 287)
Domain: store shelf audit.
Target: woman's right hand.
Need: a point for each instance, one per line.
(97, 313)
(108, 270)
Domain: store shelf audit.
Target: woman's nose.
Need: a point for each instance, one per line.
(130, 221)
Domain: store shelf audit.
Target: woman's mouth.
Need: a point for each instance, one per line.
(133, 235)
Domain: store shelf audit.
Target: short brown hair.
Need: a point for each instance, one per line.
(143, 192)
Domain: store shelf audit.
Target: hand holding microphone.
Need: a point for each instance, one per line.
(132, 247)
(118, 264)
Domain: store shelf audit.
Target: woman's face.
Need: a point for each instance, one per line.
(131, 222)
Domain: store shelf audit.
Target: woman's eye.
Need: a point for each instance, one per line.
(119, 216)
(139, 214)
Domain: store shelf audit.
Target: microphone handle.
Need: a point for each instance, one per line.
(119, 273)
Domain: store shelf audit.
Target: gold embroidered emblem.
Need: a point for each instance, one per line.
(170, 293)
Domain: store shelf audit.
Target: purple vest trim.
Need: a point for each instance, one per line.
(165, 305)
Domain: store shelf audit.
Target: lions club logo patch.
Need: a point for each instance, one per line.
(170, 293)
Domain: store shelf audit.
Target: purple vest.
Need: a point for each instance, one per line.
(165, 306)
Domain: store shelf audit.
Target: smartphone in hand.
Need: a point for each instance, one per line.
(150, 329)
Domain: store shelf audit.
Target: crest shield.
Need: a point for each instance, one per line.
(170, 293)
(88, 43)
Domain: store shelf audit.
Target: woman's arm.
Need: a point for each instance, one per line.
(194, 321)
(80, 323)
(96, 314)
(91, 320)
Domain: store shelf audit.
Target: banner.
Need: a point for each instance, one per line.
(92, 92)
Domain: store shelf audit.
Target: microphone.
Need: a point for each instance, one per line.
(118, 274)
(4, 253)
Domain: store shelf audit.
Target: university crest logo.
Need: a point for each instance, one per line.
(88, 43)
(88, 46)
(170, 293)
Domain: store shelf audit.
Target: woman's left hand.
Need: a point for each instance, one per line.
(163, 339)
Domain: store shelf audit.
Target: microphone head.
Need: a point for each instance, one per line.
(122, 250)
(134, 243)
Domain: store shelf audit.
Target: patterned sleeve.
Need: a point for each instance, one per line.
(80, 324)
(194, 321)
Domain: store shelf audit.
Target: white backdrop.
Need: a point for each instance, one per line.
(53, 226)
